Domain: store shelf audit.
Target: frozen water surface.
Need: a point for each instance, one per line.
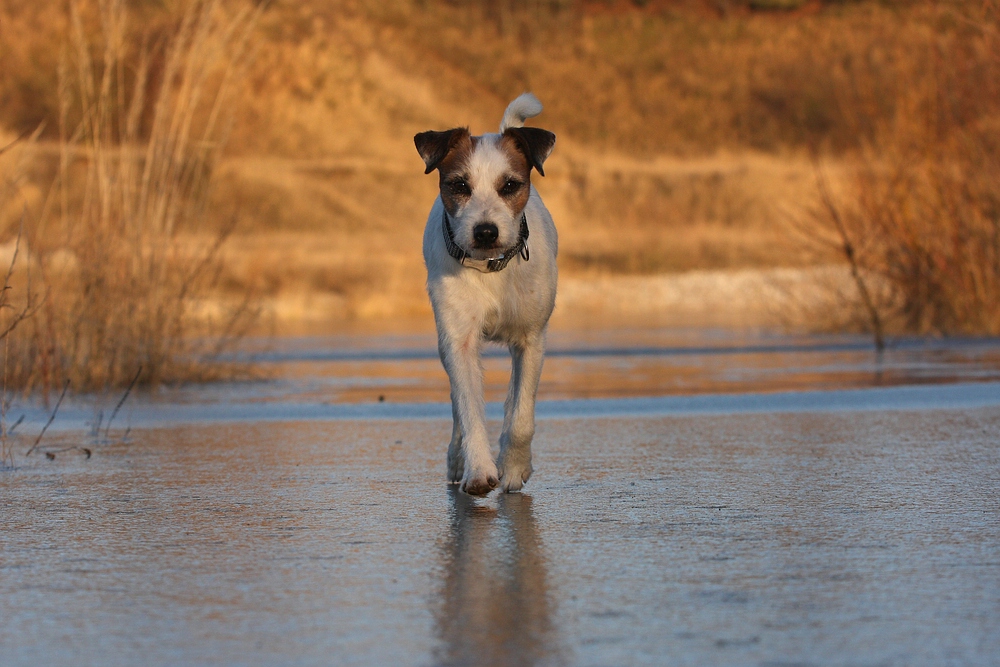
(791, 502)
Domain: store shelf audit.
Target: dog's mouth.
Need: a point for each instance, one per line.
(491, 251)
(484, 254)
(484, 248)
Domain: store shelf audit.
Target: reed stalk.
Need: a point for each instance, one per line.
(142, 121)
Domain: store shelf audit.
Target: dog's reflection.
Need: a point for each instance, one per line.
(495, 607)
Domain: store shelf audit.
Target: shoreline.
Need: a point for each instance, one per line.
(75, 417)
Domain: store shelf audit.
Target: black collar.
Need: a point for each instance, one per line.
(486, 265)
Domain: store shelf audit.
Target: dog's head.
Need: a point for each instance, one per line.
(485, 181)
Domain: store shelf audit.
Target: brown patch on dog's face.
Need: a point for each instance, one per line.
(514, 187)
(453, 174)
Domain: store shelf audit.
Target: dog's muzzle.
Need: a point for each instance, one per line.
(486, 265)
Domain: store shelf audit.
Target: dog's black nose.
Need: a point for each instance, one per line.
(485, 234)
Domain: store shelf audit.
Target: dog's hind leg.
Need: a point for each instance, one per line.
(514, 463)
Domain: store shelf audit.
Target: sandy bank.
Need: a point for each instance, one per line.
(779, 298)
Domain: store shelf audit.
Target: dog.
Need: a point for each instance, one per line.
(488, 280)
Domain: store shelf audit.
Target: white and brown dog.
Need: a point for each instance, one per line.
(486, 286)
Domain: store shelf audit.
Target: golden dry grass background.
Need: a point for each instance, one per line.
(690, 138)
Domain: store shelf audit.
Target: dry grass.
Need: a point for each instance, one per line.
(115, 283)
(672, 77)
(631, 216)
(683, 78)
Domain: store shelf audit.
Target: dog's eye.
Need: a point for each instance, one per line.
(460, 187)
(510, 187)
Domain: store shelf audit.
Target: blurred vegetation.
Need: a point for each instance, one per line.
(102, 287)
(681, 77)
(689, 133)
(920, 213)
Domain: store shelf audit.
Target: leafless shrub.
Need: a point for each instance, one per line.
(921, 210)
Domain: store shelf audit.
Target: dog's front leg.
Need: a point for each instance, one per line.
(456, 458)
(461, 358)
(519, 413)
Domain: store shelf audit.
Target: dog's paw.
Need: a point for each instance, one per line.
(456, 469)
(513, 476)
(480, 483)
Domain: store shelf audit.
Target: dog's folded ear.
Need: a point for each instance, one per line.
(435, 146)
(535, 143)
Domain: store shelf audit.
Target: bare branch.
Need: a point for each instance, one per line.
(52, 418)
(118, 407)
(27, 311)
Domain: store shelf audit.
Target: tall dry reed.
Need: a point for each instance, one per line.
(119, 288)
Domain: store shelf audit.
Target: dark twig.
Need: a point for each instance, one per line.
(11, 144)
(118, 407)
(51, 454)
(52, 418)
(27, 311)
(10, 431)
(848, 249)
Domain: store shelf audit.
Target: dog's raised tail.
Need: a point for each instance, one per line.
(521, 109)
